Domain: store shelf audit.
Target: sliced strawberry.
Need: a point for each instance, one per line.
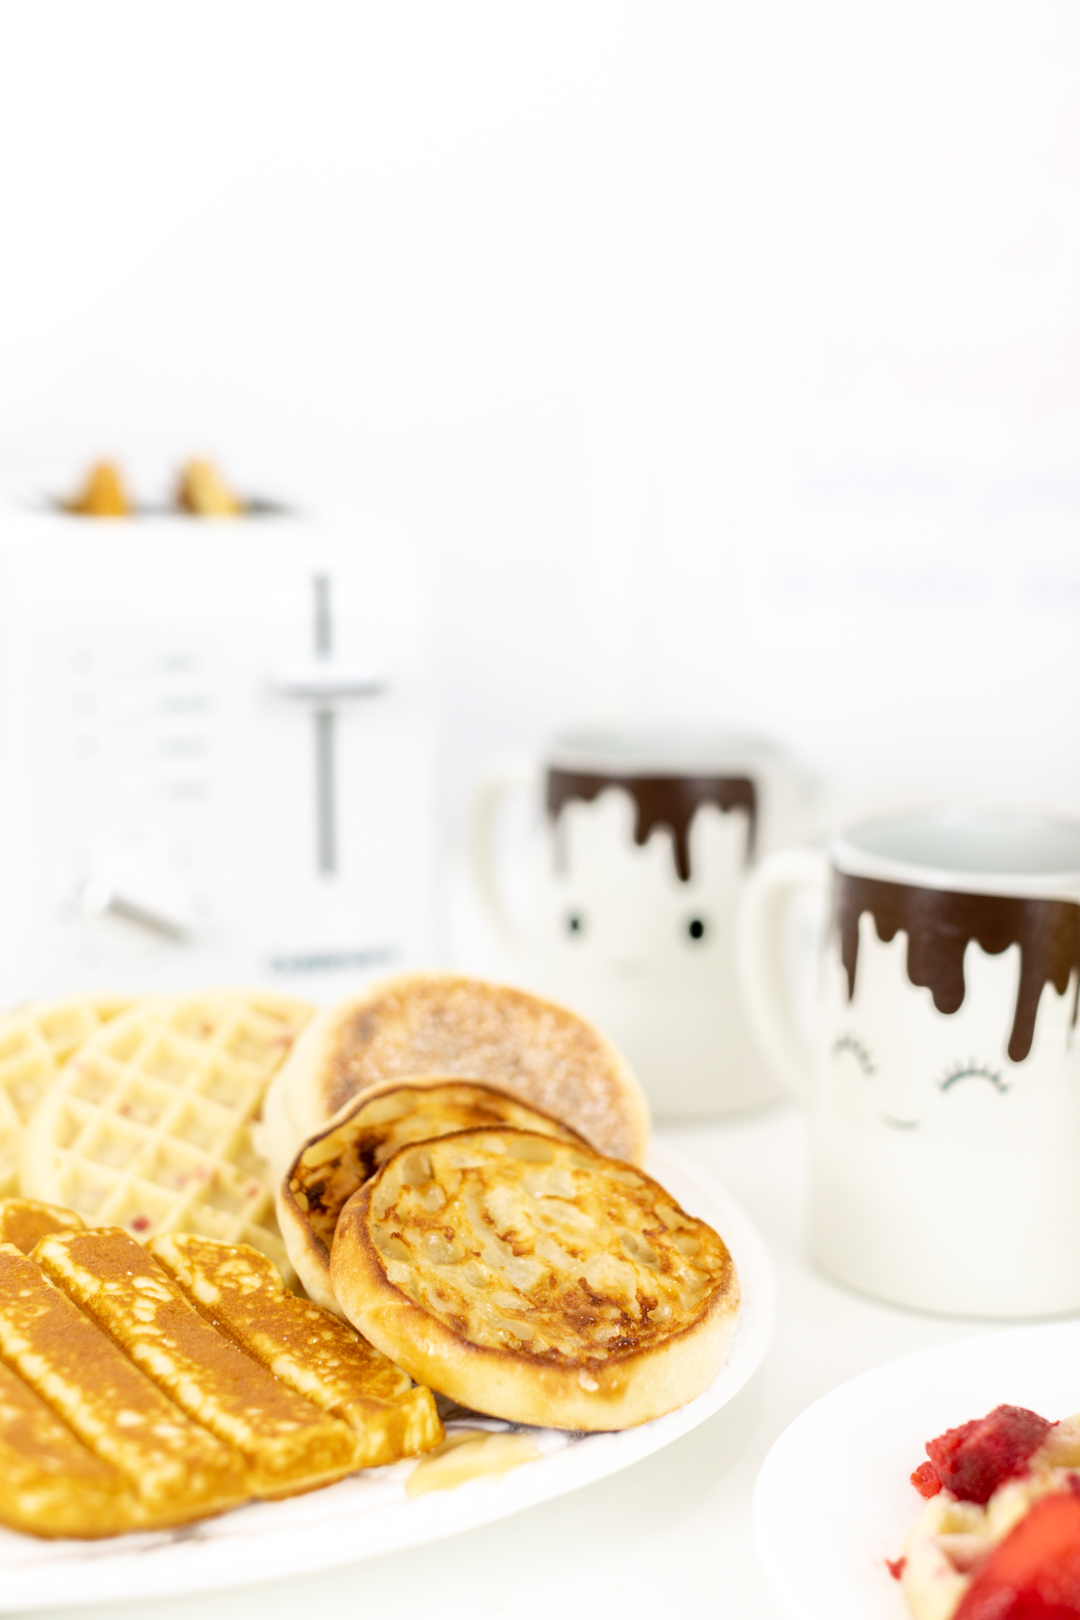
(972, 1461)
(1034, 1574)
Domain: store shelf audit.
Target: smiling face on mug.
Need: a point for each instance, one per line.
(944, 1091)
(952, 1040)
(898, 1066)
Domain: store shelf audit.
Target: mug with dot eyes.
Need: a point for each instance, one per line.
(644, 842)
(944, 1081)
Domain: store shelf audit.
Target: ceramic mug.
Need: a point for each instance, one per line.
(645, 842)
(944, 1087)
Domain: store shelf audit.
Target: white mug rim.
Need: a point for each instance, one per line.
(660, 751)
(852, 854)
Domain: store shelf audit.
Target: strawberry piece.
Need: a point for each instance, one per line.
(1034, 1574)
(972, 1460)
(926, 1480)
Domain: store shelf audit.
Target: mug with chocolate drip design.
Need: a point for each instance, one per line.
(944, 1089)
(645, 842)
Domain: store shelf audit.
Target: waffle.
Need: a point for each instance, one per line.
(535, 1280)
(175, 1470)
(23, 1222)
(541, 1053)
(361, 1137)
(150, 1125)
(289, 1445)
(11, 1141)
(241, 1294)
(35, 1042)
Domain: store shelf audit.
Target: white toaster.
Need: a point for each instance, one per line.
(217, 753)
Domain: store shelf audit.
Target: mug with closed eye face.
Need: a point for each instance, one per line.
(944, 1089)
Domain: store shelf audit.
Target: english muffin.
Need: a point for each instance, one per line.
(361, 1137)
(539, 1052)
(535, 1280)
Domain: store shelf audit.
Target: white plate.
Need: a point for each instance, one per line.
(370, 1513)
(833, 1498)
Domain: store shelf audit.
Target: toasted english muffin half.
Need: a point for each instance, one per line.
(442, 1023)
(536, 1280)
(361, 1137)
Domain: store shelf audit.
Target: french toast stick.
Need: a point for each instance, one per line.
(50, 1483)
(177, 1470)
(287, 1442)
(23, 1221)
(240, 1292)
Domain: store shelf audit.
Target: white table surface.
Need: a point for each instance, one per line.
(674, 1529)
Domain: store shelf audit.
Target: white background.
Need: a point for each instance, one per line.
(725, 358)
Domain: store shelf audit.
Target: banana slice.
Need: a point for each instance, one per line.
(536, 1280)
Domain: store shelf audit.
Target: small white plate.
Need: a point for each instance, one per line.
(370, 1513)
(833, 1499)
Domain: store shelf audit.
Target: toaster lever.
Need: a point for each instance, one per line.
(322, 681)
(100, 899)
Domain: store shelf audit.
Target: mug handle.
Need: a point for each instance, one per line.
(763, 909)
(487, 805)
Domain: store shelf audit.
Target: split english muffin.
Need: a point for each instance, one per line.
(332, 1165)
(536, 1280)
(443, 1024)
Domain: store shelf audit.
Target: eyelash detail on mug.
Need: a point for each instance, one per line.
(972, 1070)
(848, 1043)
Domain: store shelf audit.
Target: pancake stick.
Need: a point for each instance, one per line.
(50, 1484)
(23, 1221)
(177, 1471)
(288, 1444)
(241, 1293)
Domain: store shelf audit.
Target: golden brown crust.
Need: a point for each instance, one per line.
(362, 1135)
(288, 1444)
(536, 1280)
(241, 1294)
(417, 1024)
(50, 1483)
(23, 1221)
(175, 1467)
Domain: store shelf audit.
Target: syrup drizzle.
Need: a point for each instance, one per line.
(659, 801)
(940, 924)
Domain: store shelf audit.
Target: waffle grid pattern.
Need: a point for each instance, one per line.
(34, 1043)
(149, 1127)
